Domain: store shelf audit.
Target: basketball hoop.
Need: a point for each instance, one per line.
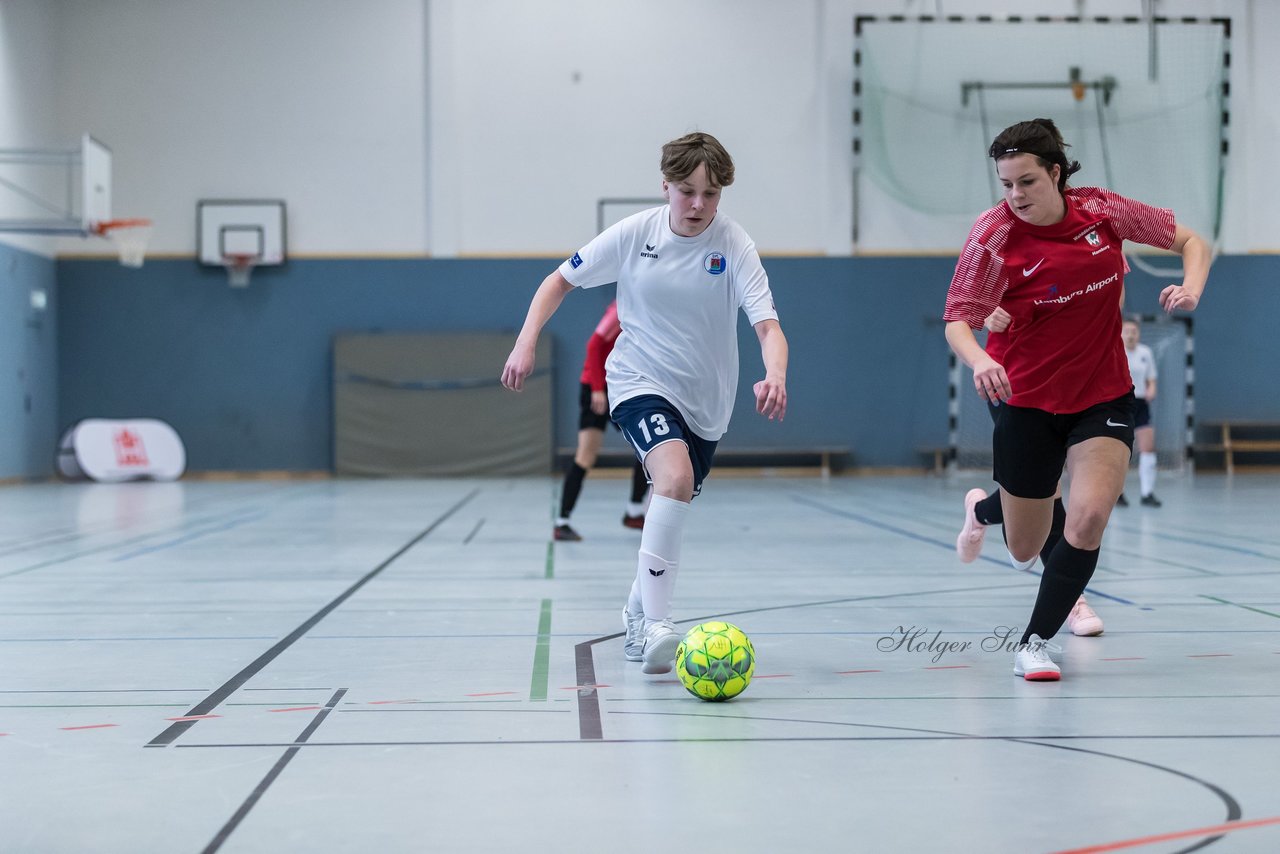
(129, 236)
(239, 267)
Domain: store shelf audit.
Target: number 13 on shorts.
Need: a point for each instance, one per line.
(660, 427)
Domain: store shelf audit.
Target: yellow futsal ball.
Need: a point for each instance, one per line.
(715, 661)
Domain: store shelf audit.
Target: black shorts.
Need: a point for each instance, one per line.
(588, 420)
(1141, 413)
(651, 420)
(1030, 445)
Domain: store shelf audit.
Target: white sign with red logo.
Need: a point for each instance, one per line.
(112, 451)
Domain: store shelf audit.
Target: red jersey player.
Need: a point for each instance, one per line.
(1051, 257)
(593, 417)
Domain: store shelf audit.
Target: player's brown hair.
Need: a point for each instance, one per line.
(681, 156)
(1039, 138)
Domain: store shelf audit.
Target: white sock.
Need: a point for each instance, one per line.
(1022, 566)
(660, 556)
(1147, 472)
(563, 520)
(635, 508)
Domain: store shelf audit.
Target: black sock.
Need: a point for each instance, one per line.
(1055, 530)
(989, 511)
(573, 477)
(1066, 574)
(639, 483)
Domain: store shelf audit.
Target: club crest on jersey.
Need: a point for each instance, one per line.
(714, 263)
(1092, 238)
(576, 261)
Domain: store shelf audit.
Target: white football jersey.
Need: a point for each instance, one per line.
(678, 301)
(1142, 367)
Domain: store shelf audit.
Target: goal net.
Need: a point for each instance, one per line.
(1142, 102)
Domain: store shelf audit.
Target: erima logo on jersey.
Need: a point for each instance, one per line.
(576, 261)
(713, 263)
(648, 251)
(656, 572)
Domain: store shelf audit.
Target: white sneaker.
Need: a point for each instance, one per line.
(633, 643)
(969, 543)
(1032, 661)
(1083, 621)
(660, 642)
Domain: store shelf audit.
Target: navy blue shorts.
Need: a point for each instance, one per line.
(1141, 413)
(650, 420)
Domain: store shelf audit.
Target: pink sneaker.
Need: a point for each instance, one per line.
(969, 543)
(1082, 621)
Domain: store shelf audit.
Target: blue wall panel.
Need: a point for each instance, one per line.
(244, 374)
(28, 365)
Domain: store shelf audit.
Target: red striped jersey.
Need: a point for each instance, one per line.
(599, 346)
(1061, 284)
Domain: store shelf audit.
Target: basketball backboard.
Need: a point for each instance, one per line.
(47, 191)
(239, 228)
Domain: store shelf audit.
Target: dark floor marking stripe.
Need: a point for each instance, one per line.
(866, 520)
(215, 699)
(275, 772)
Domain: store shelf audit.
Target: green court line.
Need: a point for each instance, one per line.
(1238, 605)
(551, 560)
(541, 654)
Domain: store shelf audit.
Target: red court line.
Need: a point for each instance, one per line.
(491, 694)
(851, 672)
(298, 709)
(89, 726)
(1177, 834)
(1212, 655)
(390, 702)
(193, 718)
(949, 667)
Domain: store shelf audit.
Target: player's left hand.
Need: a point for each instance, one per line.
(771, 397)
(1178, 298)
(599, 402)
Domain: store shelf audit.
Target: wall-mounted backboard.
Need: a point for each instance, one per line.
(231, 229)
(48, 191)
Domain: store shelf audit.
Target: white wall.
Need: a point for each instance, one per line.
(28, 108)
(473, 127)
(317, 102)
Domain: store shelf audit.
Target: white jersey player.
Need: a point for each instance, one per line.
(683, 272)
(1142, 370)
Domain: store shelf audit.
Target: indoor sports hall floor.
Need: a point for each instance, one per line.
(386, 666)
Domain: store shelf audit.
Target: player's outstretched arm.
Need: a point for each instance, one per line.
(1196, 255)
(771, 392)
(545, 302)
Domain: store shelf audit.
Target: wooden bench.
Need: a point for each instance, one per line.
(826, 458)
(1231, 441)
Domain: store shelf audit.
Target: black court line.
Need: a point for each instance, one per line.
(589, 727)
(874, 523)
(474, 531)
(755, 739)
(281, 763)
(211, 702)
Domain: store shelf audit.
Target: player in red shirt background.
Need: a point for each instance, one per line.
(593, 417)
(1051, 258)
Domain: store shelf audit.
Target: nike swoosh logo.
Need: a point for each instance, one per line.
(1026, 272)
(1111, 423)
